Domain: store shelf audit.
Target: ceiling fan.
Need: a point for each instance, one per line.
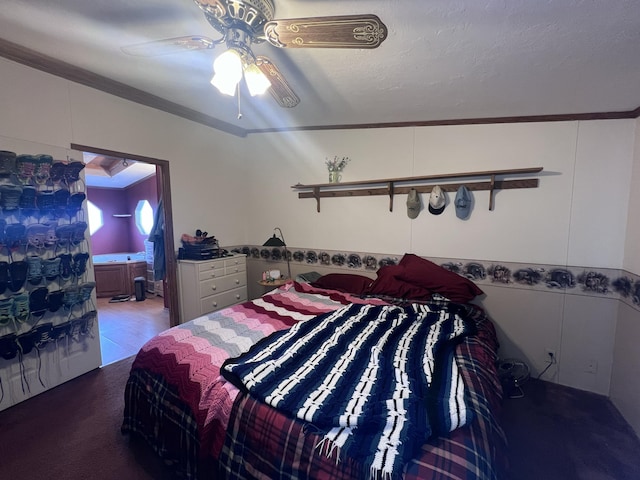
(243, 23)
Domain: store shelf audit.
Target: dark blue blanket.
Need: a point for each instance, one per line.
(377, 381)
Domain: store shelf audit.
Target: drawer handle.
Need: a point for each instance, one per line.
(215, 304)
(213, 287)
(237, 281)
(237, 296)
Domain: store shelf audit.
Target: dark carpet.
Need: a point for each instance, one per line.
(73, 432)
(558, 432)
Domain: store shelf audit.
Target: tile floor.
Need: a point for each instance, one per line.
(126, 326)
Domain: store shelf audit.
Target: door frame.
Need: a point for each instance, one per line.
(164, 190)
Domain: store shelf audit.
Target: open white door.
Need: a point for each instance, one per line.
(48, 321)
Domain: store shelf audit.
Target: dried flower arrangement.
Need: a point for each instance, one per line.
(337, 164)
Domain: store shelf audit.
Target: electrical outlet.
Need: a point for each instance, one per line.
(591, 366)
(550, 356)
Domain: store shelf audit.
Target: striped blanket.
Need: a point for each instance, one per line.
(376, 380)
(182, 365)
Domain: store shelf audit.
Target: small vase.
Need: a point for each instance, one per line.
(334, 176)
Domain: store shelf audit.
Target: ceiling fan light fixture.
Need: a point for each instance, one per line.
(228, 72)
(257, 82)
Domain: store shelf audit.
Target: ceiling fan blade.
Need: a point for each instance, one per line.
(169, 46)
(349, 31)
(280, 89)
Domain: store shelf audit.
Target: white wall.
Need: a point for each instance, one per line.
(577, 217)
(625, 387)
(207, 166)
(632, 249)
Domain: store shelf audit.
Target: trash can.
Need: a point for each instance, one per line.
(138, 283)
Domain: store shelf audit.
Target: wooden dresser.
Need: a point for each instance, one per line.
(209, 285)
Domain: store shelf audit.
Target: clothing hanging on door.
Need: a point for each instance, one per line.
(157, 237)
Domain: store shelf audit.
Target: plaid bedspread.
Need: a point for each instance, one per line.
(262, 443)
(177, 400)
(175, 379)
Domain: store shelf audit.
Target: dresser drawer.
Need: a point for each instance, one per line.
(209, 273)
(222, 300)
(234, 266)
(209, 285)
(219, 285)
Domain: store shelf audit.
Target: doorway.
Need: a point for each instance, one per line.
(135, 321)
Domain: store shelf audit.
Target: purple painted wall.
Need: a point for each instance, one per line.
(121, 234)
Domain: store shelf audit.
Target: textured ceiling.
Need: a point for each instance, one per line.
(442, 60)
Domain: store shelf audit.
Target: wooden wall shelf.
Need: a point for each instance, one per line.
(485, 180)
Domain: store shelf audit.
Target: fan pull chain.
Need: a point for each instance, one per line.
(239, 112)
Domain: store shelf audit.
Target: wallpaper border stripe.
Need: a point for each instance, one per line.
(615, 284)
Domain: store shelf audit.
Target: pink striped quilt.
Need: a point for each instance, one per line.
(189, 356)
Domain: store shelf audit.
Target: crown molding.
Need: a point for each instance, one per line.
(31, 58)
(464, 121)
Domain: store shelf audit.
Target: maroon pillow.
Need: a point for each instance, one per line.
(344, 282)
(389, 284)
(421, 272)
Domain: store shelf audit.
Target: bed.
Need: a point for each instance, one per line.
(205, 426)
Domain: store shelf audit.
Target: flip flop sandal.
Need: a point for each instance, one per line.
(86, 289)
(37, 236)
(17, 275)
(50, 239)
(38, 303)
(61, 201)
(7, 163)
(21, 307)
(75, 329)
(43, 168)
(25, 168)
(71, 297)
(56, 173)
(45, 202)
(3, 225)
(6, 311)
(51, 268)
(34, 269)
(42, 335)
(74, 204)
(72, 172)
(15, 235)
(79, 229)
(10, 197)
(25, 342)
(55, 300)
(80, 263)
(64, 234)
(88, 320)
(66, 266)
(27, 200)
(60, 331)
(8, 346)
(4, 276)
